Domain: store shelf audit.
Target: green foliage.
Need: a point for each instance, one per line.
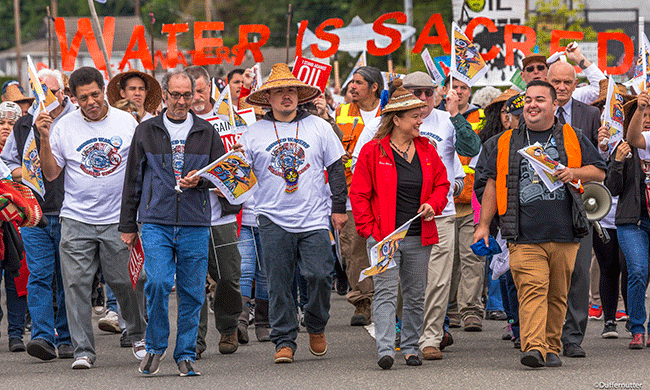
(555, 15)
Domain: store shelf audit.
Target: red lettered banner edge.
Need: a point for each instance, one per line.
(136, 261)
(312, 73)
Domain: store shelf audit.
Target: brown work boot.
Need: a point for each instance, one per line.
(283, 355)
(431, 353)
(228, 343)
(317, 344)
(362, 313)
(472, 323)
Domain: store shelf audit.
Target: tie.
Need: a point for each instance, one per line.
(560, 116)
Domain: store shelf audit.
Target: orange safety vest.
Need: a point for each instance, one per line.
(571, 146)
(477, 120)
(346, 116)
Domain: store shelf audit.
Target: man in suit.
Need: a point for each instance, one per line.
(586, 118)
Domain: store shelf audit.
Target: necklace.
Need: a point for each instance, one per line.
(290, 174)
(405, 153)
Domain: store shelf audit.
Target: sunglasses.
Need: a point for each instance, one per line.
(531, 68)
(418, 92)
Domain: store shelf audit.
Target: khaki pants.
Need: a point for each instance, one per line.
(355, 256)
(467, 274)
(542, 274)
(436, 294)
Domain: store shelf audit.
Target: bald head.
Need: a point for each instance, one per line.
(562, 77)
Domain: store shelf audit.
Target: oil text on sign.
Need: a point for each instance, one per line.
(312, 73)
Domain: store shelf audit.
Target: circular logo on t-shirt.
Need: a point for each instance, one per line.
(99, 157)
(289, 154)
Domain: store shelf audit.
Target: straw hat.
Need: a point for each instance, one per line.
(281, 77)
(602, 94)
(629, 109)
(154, 93)
(13, 92)
(258, 110)
(401, 99)
(505, 95)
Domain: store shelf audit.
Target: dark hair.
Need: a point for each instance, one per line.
(234, 72)
(493, 125)
(85, 76)
(542, 83)
(129, 77)
(372, 76)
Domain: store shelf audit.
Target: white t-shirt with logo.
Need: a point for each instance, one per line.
(437, 127)
(177, 135)
(93, 155)
(315, 148)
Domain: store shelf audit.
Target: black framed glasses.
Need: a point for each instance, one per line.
(178, 95)
(427, 92)
(531, 68)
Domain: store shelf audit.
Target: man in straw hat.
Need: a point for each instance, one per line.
(93, 159)
(290, 151)
(543, 227)
(42, 243)
(12, 91)
(137, 87)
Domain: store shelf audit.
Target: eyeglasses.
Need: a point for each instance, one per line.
(531, 68)
(177, 95)
(427, 92)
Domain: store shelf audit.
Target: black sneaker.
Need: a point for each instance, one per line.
(609, 332)
(16, 345)
(532, 358)
(126, 341)
(41, 349)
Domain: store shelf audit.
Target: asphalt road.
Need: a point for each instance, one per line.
(476, 361)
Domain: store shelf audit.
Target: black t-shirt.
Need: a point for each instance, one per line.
(545, 216)
(409, 190)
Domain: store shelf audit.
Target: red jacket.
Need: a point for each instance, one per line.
(373, 193)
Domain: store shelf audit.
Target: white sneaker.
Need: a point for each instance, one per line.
(109, 323)
(82, 363)
(139, 350)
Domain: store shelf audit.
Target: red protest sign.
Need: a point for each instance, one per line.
(312, 73)
(136, 261)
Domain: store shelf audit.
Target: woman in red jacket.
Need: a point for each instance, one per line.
(398, 175)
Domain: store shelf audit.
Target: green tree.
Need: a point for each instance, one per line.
(555, 15)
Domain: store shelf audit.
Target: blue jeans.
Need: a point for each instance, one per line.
(44, 264)
(169, 251)
(250, 249)
(510, 302)
(16, 308)
(633, 240)
(282, 252)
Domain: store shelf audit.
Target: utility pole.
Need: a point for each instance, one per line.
(54, 9)
(289, 16)
(208, 11)
(408, 10)
(19, 62)
(137, 8)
